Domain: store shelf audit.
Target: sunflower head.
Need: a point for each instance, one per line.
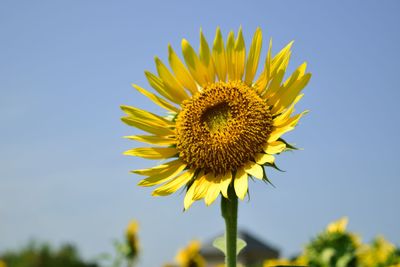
(224, 125)
(379, 253)
(190, 255)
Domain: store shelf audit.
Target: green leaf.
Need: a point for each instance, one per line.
(273, 165)
(289, 146)
(344, 260)
(240, 244)
(265, 178)
(326, 255)
(220, 243)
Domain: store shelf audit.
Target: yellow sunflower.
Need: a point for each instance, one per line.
(376, 254)
(224, 125)
(131, 235)
(190, 256)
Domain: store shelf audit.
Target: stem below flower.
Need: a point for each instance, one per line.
(229, 210)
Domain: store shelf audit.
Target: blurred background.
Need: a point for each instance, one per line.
(66, 66)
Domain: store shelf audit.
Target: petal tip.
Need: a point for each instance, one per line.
(184, 43)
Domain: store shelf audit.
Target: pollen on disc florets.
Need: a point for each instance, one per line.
(222, 127)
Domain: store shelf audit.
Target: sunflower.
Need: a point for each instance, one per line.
(190, 255)
(379, 253)
(224, 125)
(131, 236)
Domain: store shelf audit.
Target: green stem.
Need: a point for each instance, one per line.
(229, 210)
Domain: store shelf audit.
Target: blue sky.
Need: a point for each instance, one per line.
(66, 66)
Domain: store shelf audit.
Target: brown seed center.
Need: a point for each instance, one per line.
(222, 127)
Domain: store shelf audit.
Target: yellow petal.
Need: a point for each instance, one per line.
(159, 168)
(261, 82)
(218, 55)
(274, 147)
(254, 169)
(281, 57)
(225, 181)
(275, 135)
(292, 122)
(201, 187)
(153, 139)
(265, 75)
(268, 60)
(286, 127)
(290, 94)
(147, 126)
(281, 119)
(240, 56)
(146, 116)
(205, 56)
(157, 100)
(277, 68)
(195, 66)
(254, 57)
(181, 72)
(272, 91)
(241, 183)
(262, 158)
(152, 152)
(188, 200)
(163, 176)
(230, 60)
(171, 84)
(299, 72)
(159, 86)
(212, 192)
(174, 185)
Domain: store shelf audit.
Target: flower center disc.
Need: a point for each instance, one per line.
(222, 127)
(216, 118)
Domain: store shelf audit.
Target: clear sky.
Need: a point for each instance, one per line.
(66, 66)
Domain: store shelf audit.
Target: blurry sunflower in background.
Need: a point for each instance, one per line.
(333, 247)
(190, 256)
(224, 125)
(127, 250)
(132, 240)
(338, 247)
(380, 253)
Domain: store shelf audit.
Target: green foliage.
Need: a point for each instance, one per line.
(336, 247)
(393, 258)
(126, 252)
(122, 256)
(34, 255)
